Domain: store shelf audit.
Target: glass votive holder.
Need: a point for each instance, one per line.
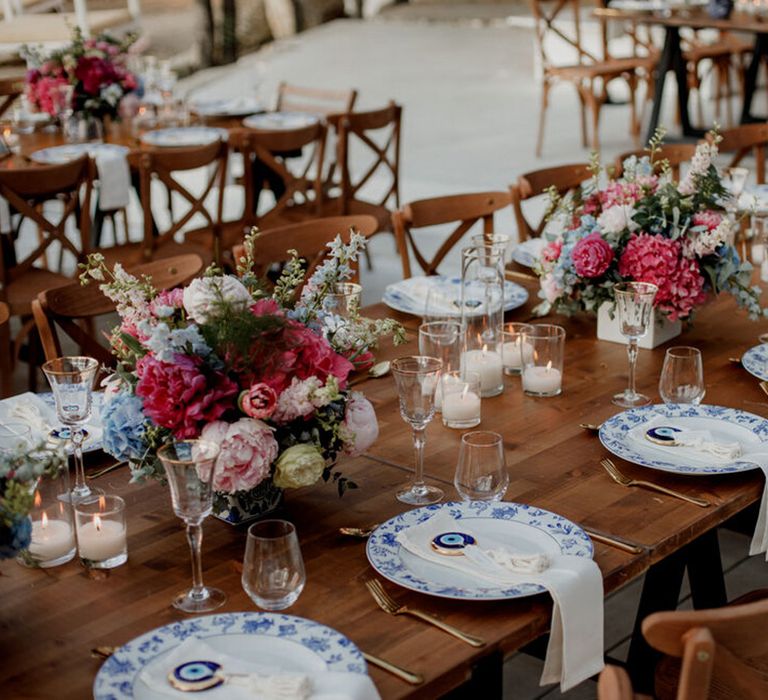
(513, 351)
(543, 370)
(460, 399)
(343, 300)
(486, 362)
(101, 531)
(52, 540)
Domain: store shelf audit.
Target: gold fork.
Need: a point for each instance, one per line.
(390, 606)
(620, 478)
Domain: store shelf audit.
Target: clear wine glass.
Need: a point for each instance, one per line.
(189, 466)
(416, 377)
(682, 376)
(481, 472)
(273, 569)
(71, 380)
(634, 304)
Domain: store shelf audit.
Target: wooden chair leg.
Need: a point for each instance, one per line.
(594, 107)
(6, 362)
(583, 107)
(542, 117)
(634, 123)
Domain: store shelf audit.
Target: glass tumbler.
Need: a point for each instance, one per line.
(682, 376)
(273, 569)
(481, 472)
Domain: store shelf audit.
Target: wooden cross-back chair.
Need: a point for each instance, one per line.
(296, 98)
(6, 370)
(720, 653)
(30, 192)
(564, 178)
(303, 181)
(675, 154)
(614, 684)
(465, 210)
(589, 74)
(10, 90)
(377, 133)
(744, 139)
(309, 239)
(63, 309)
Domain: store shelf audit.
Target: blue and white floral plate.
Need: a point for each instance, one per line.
(528, 252)
(410, 295)
(526, 529)
(755, 361)
(179, 136)
(285, 642)
(57, 155)
(280, 121)
(227, 107)
(725, 425)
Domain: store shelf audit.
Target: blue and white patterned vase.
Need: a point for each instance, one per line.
(244, 506)
(720, 9)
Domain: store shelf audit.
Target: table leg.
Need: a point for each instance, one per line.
(705, 572)
(750, 79)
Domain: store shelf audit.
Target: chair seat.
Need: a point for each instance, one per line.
(57, 27)
(20, 293)
(132, 254)
(719, 49)
(614, 66)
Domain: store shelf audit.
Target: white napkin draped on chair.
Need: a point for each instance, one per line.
(575, 650)
(114, 179)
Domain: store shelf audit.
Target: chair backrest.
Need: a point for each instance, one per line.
(558, 30)
(465, 210)
(743, 139)
(675, 154)
(26, 190)
(309, 239)
(6, 378)
(10, 89)
(302, 177)
(564, 178)
(377, 132)
(164, 164)
(295, 98)
(716, 646)
(60, 308)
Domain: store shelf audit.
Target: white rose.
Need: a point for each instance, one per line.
(360, 427)
(616, 219)
(205, 295)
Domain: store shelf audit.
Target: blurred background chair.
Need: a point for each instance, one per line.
(6, 368)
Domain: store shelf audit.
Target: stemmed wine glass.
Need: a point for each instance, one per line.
(416, 377)
(634, 303)
(682, 376)
(71, 380)
(189, 466)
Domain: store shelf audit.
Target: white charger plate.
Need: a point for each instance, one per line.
(285, 642)
(57, 155)
(280, 121)
(525, 528)
(528, 252)
(725, 424)
(227, 107)
(398, 296)
(755, 361)
(178, 136)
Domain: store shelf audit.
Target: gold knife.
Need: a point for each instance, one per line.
(613, 541)
(403, 674)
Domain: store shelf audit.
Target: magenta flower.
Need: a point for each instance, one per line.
(592, 256)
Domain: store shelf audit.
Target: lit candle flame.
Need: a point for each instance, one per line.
(44, 521)
(6, 132)
(102, 503)
(38, 500)
(97, 522)
(535, 357)
(485, 349)
(549, 365)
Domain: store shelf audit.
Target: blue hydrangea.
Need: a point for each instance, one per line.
(15, 538)
(123, 421)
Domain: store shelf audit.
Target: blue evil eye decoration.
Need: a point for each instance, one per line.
(452, 543)
(64, 434)
(195, 676)
(662, 435)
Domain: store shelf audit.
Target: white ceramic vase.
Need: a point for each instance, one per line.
(661, 330)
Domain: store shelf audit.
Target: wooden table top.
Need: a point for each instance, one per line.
(52, 618)
(696, 18)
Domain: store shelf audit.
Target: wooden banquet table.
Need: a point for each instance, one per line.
(671, 58)
(50, 619)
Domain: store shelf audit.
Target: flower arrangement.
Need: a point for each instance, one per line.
(96, 68)
(647, 228)
(263, 375)
(20, 470)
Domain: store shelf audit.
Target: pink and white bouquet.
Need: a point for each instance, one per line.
(97, 70)
(645, 227)
(263, 375)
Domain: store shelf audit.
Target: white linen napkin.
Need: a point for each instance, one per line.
(114, 179)
(575, 650)
(441, 301)
(699, 447)
(30, 409)
(261, 684)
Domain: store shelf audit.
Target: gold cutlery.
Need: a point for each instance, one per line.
(361, 532)
(592, 427)
(512, 274)
(103, 652)
(391, 607)
(764, 387)
(620, 478)
(735, 360)
(407, 676)
(763, 337)
(106, 470)
(380, 369)
(613, 541)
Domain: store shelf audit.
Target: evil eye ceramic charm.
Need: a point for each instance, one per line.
(663, 435)
(452, 544)
(194, 676)
(64, 434)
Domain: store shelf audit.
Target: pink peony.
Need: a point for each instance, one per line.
(551, 251)
(247, 449)
(179, 397)
(592, 256)
(316, 358)
(259, 401)
(360, 427)
(93, 72)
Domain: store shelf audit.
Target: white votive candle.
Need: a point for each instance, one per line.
(101, 539)
(51, 539)
(516, 354)
(487, 364)
(543, 381)
(461, 407)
